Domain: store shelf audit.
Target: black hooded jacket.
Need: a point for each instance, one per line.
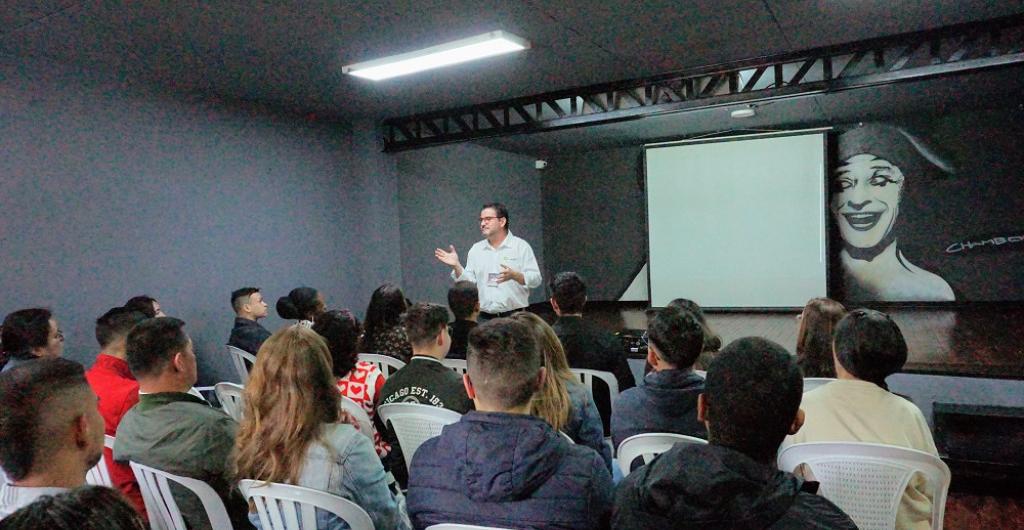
(711, 486)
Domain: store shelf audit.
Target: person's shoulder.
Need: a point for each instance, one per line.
(814, 511)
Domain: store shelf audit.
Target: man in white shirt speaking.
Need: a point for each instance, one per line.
(502, 265)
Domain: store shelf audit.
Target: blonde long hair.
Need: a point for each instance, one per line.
(291, 393)
(552, 402)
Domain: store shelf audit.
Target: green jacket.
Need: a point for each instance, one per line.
(182, 434)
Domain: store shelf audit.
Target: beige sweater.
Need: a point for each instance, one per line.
(859, 411)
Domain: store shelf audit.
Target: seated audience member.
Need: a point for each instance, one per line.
(712, 341)
(587, 345)
(147, 305)
(357, 380)
(424, 380)
(814, 338)
(382, 331)
(750, 402)
(464, 303)
(564, 402)
(291, 431)
(29, 334)
(83, 508)
(172, 430)
(117, 390)
(500, 465)
(51, 432)
(249, 308)
(302, 304)
(667, 401)
(858, 407)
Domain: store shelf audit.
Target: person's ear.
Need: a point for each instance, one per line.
(81, 431)
(554, 305)
(542, 375)
(652, 357)
(702, 409)
(179, 361)
(476, 307)
(798, 422)
(468, 384)
(439, 339)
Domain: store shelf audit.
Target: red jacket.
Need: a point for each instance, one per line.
(118, 391)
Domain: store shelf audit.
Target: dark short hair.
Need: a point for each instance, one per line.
(869, 345)
(712, 341)
(301, 303)
(239, 297)
(152, 344)
(503, 360)
(115, 323)
(569, 292)
(83, 508)
(340, 329)
(25, 330)
(500, 211)
(423, 321)
(462, 299)
(26, 392)
(753, 391)
(677, 334)
(142, 303)
(387, 303)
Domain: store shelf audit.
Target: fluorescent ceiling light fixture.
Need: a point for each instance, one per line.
(460, 51)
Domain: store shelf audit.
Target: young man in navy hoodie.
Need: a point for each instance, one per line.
(499, 466)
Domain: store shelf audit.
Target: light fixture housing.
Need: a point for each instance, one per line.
(745, 112)
(455, 52)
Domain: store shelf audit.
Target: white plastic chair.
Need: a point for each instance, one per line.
(457, 365)
(287, 507)
(357, 411)
(587, 378)
(810, 383)
(240, 358)
(163, 509)
(648, 445)
(414, 424)
(452, 526)
(702, 373)
(99, 475)
(867, 480)
(385, 363)
(231, 398)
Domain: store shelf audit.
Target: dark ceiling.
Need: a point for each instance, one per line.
(290, 54)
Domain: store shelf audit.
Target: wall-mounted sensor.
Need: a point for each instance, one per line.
(540, 164)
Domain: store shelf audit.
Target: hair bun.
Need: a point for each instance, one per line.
(286, 308)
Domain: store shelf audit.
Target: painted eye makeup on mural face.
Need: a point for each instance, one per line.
(866, 202)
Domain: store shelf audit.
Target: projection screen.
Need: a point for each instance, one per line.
(739, 222)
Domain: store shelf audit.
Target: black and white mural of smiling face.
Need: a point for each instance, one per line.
(866, 201)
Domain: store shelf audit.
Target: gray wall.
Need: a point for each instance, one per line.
(595, 222)
(440, 191)
(110, 191)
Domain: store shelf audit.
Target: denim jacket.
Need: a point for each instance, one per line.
(584, 425)
(343, 462)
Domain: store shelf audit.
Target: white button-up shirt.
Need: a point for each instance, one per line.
(483, 265)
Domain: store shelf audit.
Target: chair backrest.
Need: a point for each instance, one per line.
(452, 526)
(867, 480)
(702, 373)
(385, 363)
(231, 398)
(163, 509)
(99, 475)
(649, 445)
(287, 507)
(357, 411)
(810, 383)
(242, 360)
(457, 365)
(414, 423)
(587, 378)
